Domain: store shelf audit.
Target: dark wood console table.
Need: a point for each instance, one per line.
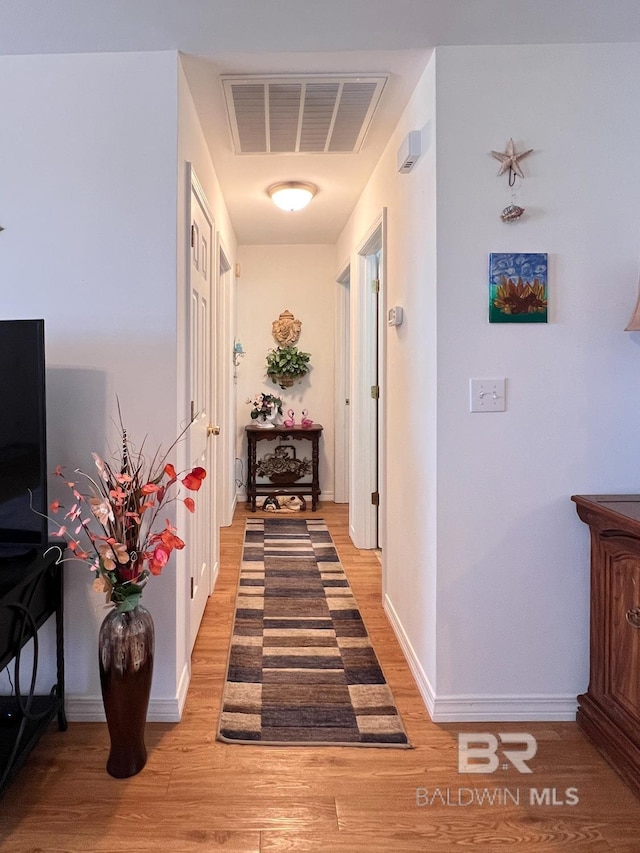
(609, 712)
(30, 592)
(297, 433)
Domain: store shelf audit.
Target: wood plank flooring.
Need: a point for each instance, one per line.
(196, 794)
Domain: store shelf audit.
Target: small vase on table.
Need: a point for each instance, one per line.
(266, 421)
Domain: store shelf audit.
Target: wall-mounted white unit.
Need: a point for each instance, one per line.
(410, 151)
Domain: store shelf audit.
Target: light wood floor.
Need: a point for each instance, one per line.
(196, 794)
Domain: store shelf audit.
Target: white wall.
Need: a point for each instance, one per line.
(510, 639)
(300, 279)
(88, 180)
(194, 153)
(513, 563)
(410, 377)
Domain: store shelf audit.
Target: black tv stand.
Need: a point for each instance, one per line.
(30, 592)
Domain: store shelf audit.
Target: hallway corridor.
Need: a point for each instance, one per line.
(196, 794)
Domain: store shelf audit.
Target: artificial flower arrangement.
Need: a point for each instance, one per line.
(264, 406)
(124, 500)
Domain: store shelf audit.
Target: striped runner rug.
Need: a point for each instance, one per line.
(301, 668)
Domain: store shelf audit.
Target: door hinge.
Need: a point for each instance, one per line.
(193, 236)
(375, 285)
(375, 498)
(375, 392)
(192, 587)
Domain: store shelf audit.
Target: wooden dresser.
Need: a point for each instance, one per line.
(609, 712)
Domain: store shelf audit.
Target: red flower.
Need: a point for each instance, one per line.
(170, 471)
(168, 538)
(194, 478)
(190, 504)
(159, 559)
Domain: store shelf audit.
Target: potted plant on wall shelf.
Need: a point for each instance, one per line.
(287, 364)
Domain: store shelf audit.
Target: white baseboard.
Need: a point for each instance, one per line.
(183, 689)
(89, 709)
(424, 686)
(471, 709)
(84, 709)
(215, 571)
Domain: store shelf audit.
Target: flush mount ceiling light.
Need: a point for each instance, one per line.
(292, 195)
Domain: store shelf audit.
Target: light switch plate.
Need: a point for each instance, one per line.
(487, 395)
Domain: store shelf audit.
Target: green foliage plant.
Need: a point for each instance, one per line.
(287, 364)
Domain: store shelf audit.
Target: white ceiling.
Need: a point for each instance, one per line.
(339, 177)
(217, 37)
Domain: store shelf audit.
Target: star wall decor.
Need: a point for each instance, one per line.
(509, 159)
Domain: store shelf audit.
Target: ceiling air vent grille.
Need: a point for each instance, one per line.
(311, 114)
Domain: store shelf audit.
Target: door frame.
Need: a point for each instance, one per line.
(342, 403)
(196, 189)
(226, 412)
(367, 523)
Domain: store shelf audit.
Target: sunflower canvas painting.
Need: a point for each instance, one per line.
(518, 287)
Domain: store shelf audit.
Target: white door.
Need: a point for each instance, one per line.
(366, 486)
(342, 403)
(203, 527)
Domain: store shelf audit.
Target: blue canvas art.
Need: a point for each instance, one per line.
(518, 287)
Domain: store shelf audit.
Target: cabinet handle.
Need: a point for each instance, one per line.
(633, 617)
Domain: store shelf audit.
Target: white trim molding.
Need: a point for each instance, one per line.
(423, 683)
(480, 708)
(89, 709)
(342, 393)
(366, 362)
(461, 709)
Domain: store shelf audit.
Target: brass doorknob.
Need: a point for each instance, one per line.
(213, 430)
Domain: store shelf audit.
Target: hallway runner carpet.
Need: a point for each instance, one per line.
(301, 667)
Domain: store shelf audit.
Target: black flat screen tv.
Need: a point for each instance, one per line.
(23, 439)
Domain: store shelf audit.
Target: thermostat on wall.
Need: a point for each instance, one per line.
(394, 316)
(410, 151)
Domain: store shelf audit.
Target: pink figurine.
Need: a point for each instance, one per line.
(306, 422)
(291, 420)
